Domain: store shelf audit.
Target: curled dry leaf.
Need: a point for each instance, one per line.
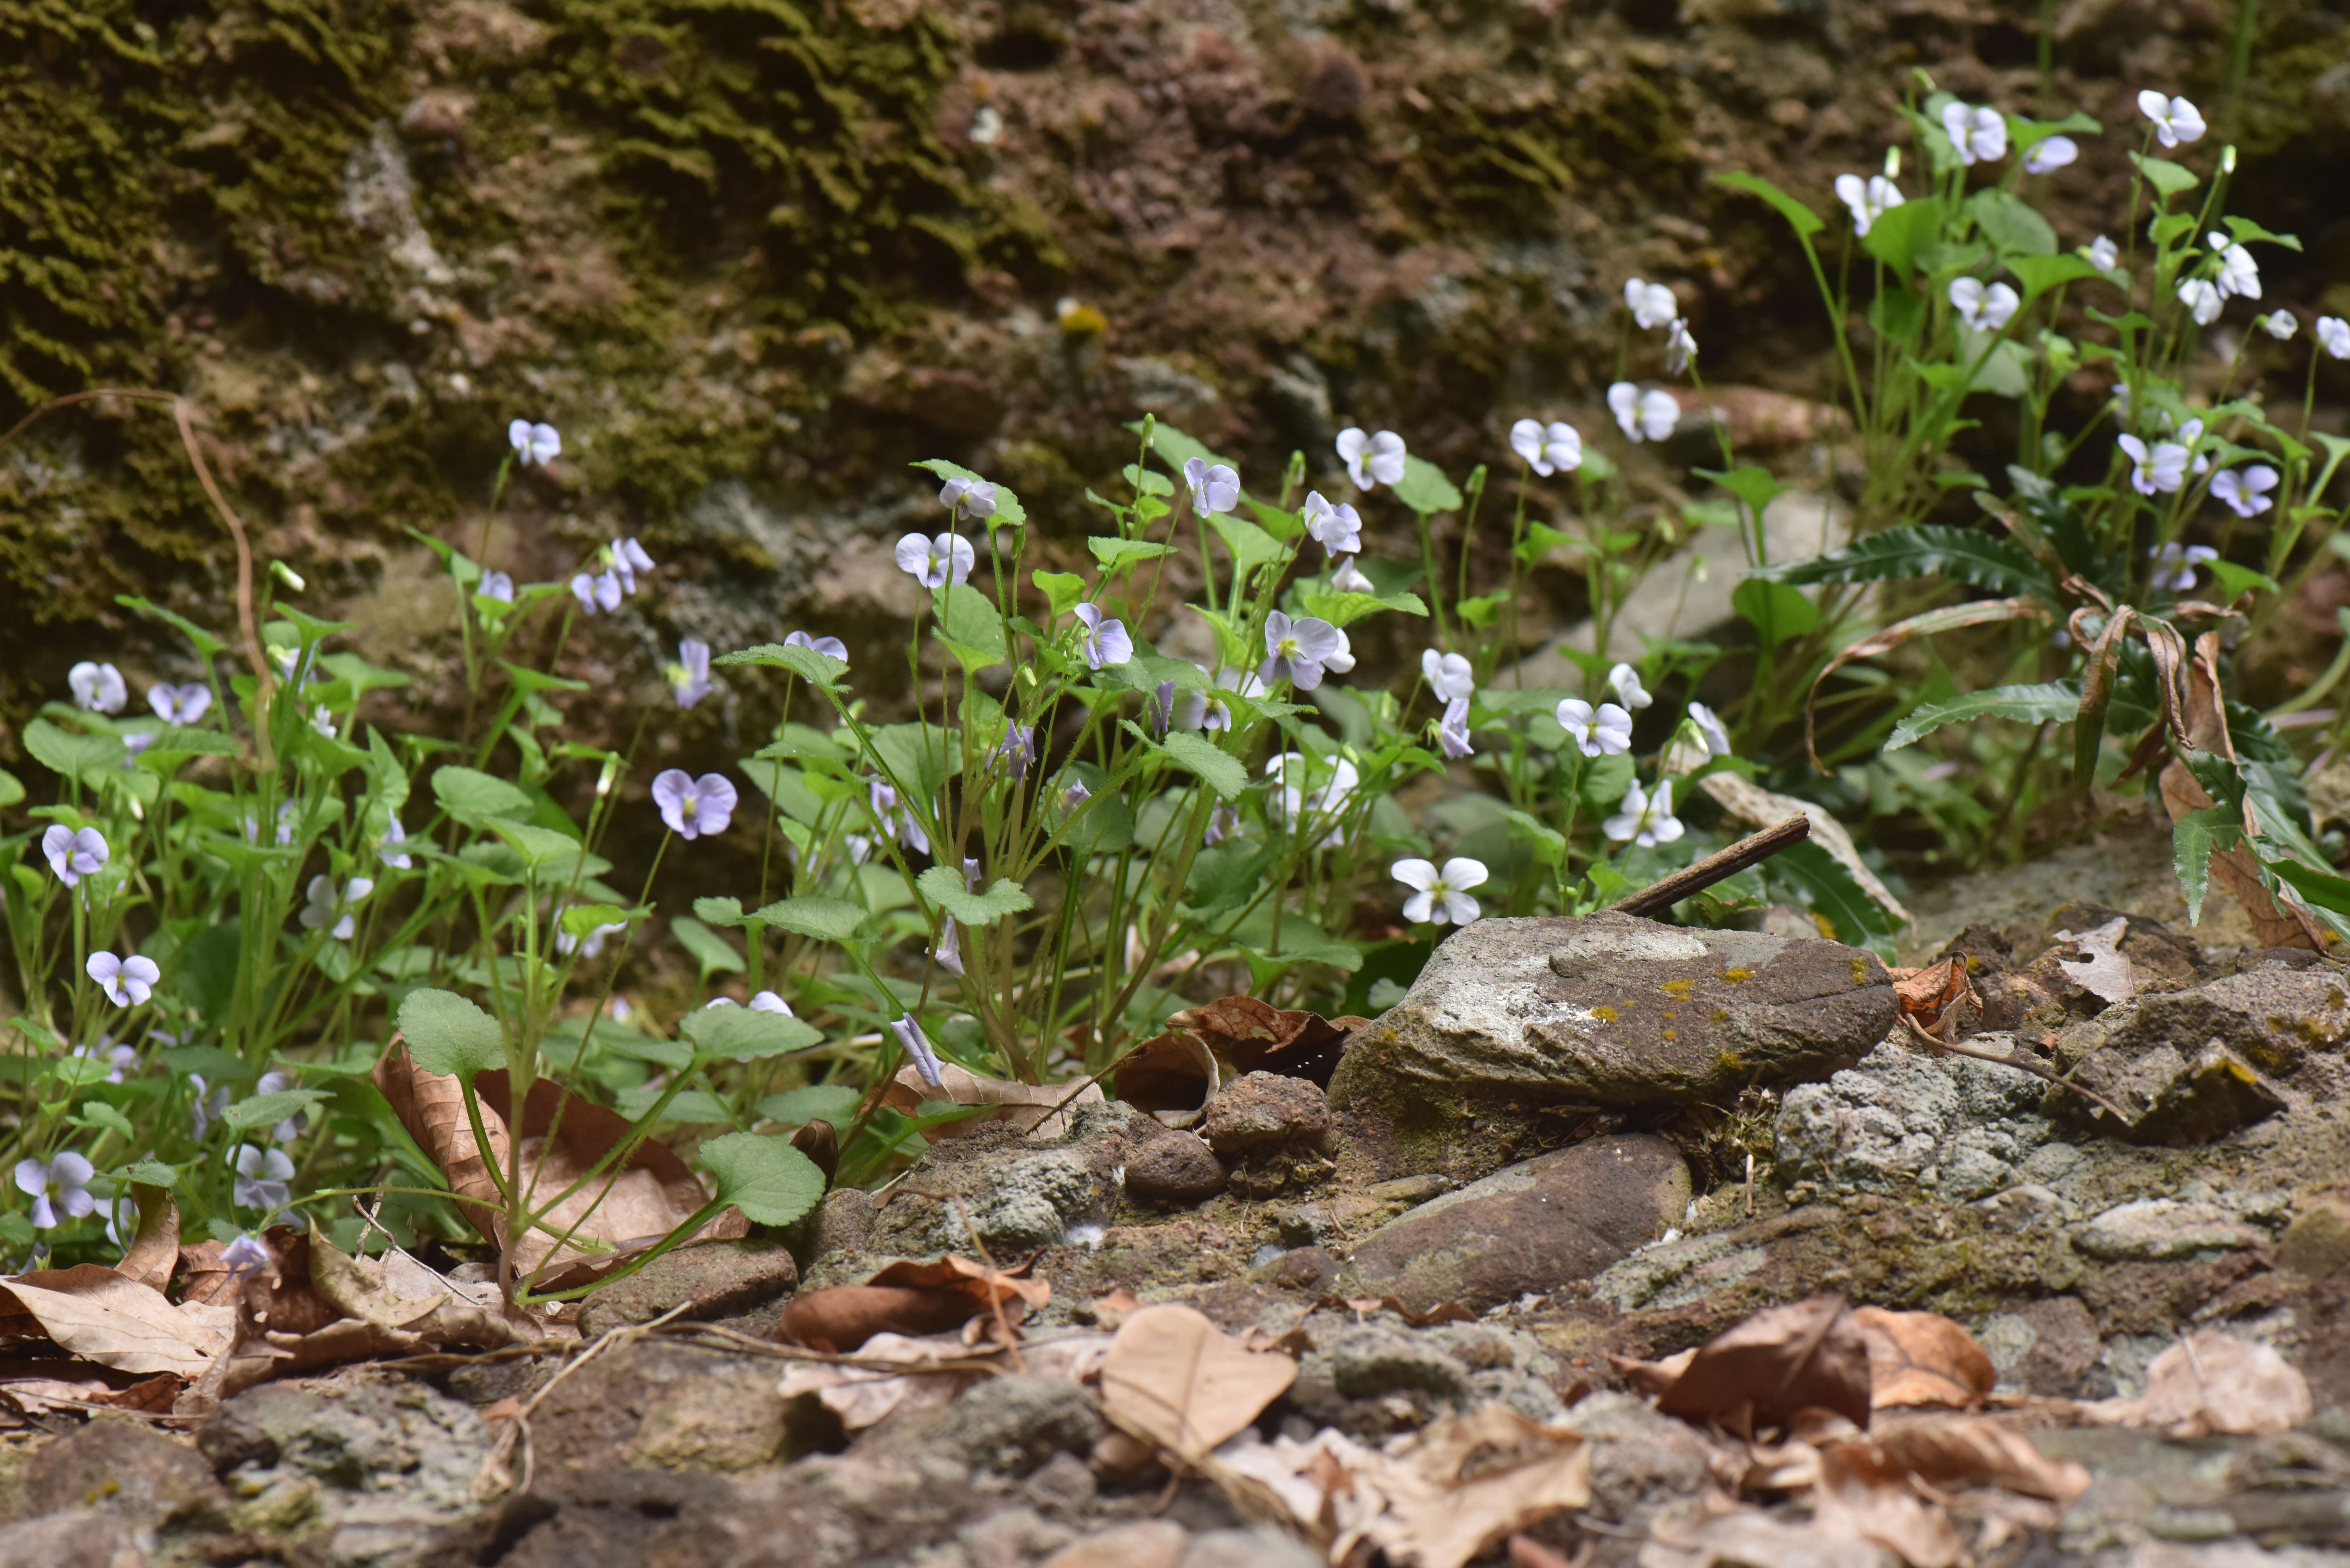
(1363, 1307)
(1041, 1111)
(2215, 1383)
(910, 1299)
(1922, 1358)
(2288, 925)
(1177, 1379)
(1434, 1500)
(923, 1374)
(1933, 996)
(620, 1213)
(1748, 1538)
(35, 1393)
(156, 1246)
(1257, 1037)
(93, 1313)
(1173, 1077)
(1758, 1373)
(1653, 1377)
(1863, 1494)
(1950, 1452)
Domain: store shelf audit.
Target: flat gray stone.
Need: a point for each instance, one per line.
(1558, 1217)
(1175, 1168)
(2153, 1229)
(1620, 1011)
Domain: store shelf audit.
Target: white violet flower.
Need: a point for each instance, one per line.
(964, 498)
(2245, 490)
(1349, 579)
(1338, 529)
(496, 585)
(917, 1046)
(1869, 199)
(2176, 120)
(601, 591)
(1297, 652)
(1643, 416)
(1555, 448)
(830, 646)
(1985, 309)
(1651, 304)
(1106, 641)
(1452, 729)
(127, 981)
(2162, 469)
(265, 1178)
(2334, 336)
(324, 906)
(1978, 134)
(180, 704)
(98, 687)
(73, 853)
(2051, 154)
(60, 1190)
(1644, 819)
(1214, 487)
(1625, 682)
(1448, 675)
(1711, 729)
(1440, 896)
(2103, 254)
(388, 848)
(534, 442)
(2280, 324)
(1603, 732)
(1679, 347)
(935, 562)
(1373, 459)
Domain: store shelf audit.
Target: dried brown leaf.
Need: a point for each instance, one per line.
(2101, 970)
(1757, 807)
(1922, 1358)
(1173, 1077)
(1950, 1452)
(908, 1299)
(2235, 869)
(2216, 1383)
(1929, 994)
(1257, 1037)
(95, 1313)
(1864, 1495)
(1758, 1373)
(1042, 1111)
(1653, 1377)
(1176, 1379)
(1748, 1538)
(156, 1248)
(621, 1212)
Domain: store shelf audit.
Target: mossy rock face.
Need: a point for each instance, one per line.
(1616, 1011)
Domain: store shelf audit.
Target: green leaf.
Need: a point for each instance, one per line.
(473, 797)
(1898, 237)
(970, 617)
(1116, 552)
(819, 671)
(815, 915)
(1777, 611)
(768, 1179)
(2054, 699)
(2168, 177)
(2005, 372)
(2192, 839)
(1346, 610)
(944, 887)
(746, 1032)
(2324, 891)
(152, 1173)
(714, 952)
(834, 1103)
(2236, 578)
(12, 789)
(205, 643)
(1751, 485)
(1549, 844)
(545, 851)
(267, 1111)
(725, 912)
(96, 1116)
(1008, 510)
(449, 1035)
(2011, 223)
(1061, 589)
(1201, 757)
(1925, 550)
(2246, 231)
(2040, 274)
(63, 752)
(1801, 219)
(1827, 888)
(583, 921)
(1424, 488)
(1251, 546)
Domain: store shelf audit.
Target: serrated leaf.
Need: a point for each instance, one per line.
(1925, 550)
(2048, 701)
(1801, 219)
(473, 797)
(1829, 890)
(815, 915)
(766, 1178)
(744, 1034)
(1202, 758)
(1345, 609)
(2193, 838)
(449, 1035)
(945, 887)
(1116, 552)
(63, 752)
(819, 671)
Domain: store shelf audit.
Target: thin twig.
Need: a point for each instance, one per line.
(1751, 850)
(2020, 1064)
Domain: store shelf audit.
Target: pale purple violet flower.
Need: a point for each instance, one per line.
(601, 591)
(1625, 682)
(180, 704)
(119, 1059)
(1338, 529)
(1647, 820)
(1869, 199)
(2174, 564)
(73, 853)
(1984, 309)
(496, 585)
(1448, 675)
(2334, 335)
(248, 1254)
(1106, 641)
(388, 848)
(768, 1002)
(1679, 347)
(1978, 134)
(1547, 449)
(2103, 254)
(2164, 468)
(59, 1190)
(689, 678)
(1075, 796)
(964, 498)
(265, 1178)
(1222, 822)
(1607, 733)
(830, 646)
(627, 559)
(1709, 726)
(326, 908)
(1017, 750)
(1297, 652)
(949, 953)
(917, 1046)
(2244, 491)
(1214, 487)
(2176, 120)
(2050, 154)
(204, 1105)
(534, 442)
(935, 562)
(693, 808)
(1349, 579)
(127, 981)
(1452, 731)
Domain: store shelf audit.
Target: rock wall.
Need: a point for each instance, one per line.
(754, 255)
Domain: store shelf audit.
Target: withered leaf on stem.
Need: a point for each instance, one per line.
(912, 1298)
(621, 1212)
(1923, 1358)
(1257, 1037)
(1757, 1374)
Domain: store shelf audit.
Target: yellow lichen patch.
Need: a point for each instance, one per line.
(1669, 1017)
(1672, 1034)
(1860, 970)
(1728, 1063)
(1737, 972)
(1604, 1014)
(1678, 989)
(1722, 1015)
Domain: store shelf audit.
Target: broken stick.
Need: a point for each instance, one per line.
(1752, 850)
